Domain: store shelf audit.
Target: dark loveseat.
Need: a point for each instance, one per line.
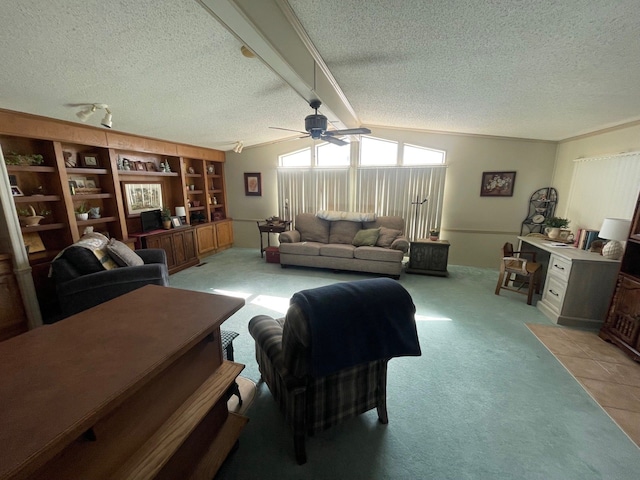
(82, 282)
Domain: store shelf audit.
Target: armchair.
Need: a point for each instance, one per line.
(326, 361)
(80, 287)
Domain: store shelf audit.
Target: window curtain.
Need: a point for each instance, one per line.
(310, 190)
(384, 191)
(396, 190)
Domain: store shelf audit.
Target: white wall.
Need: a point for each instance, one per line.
(613, 141)
(476, 226)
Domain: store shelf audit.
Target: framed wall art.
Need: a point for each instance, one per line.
(142, 196)
(497, 184)
(253, 184)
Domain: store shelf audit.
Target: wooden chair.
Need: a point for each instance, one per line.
(525, 271)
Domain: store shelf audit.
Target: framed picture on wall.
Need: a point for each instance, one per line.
(253, 184)
(497, 184)
(142, 197)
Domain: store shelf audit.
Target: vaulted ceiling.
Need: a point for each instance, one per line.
(173, 69)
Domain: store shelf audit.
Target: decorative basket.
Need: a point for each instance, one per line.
(87, 191)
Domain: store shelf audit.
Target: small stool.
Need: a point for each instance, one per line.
(226, 338)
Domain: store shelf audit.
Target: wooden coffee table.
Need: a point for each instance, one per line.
(133, 388)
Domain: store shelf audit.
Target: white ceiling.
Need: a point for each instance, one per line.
(169, 69)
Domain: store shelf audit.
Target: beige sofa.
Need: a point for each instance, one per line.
(316, 242)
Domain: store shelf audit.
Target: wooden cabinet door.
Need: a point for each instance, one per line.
(184, 245)
(624, 318)
(206, 236)
(224, 233)
(12, 317)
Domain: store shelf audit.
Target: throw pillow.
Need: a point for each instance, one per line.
(366, 238)
(387, 236)
(123, 255)
(82, 259)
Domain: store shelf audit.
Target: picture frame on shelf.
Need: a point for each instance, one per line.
(80, 182)
(16, 192)
(89, 160)
(90, 183)
(176, 222)
(142, 196)
(253, 184)
(141, 166)
(152, 167)
(497, 184)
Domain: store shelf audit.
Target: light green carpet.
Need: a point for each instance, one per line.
(486, 400)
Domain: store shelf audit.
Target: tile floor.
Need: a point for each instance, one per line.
(604, 371)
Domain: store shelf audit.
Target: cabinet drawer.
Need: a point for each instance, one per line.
(559, 267)
(554, 291)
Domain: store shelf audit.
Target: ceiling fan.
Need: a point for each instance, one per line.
(316, 127)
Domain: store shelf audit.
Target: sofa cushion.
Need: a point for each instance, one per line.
(312, 228)
(366, 237)
(378, 253)
(387, 236)
(337, 250)
(343, 231)
(123, 255)
(302, 248)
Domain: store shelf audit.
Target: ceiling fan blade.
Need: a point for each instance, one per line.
(335, 141)
(348, 131)
(288, 130)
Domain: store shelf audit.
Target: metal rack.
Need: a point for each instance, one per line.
(542, 205)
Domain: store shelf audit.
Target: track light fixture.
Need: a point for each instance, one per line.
(238, 148)
(106, 121)
(85, 113)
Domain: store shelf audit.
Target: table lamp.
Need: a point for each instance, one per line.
(615, 230)
(181, 212)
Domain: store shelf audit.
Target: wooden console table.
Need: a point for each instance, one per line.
(268, 228)
(578, 284)
(135, 388)
(429, 257)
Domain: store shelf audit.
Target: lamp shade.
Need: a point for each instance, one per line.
(615, 229)
(181, 212)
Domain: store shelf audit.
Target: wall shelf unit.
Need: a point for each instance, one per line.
(64, 179)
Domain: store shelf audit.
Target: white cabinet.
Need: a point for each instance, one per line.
(578, 286)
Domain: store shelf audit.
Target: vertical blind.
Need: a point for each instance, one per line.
(384, 191)
(605, 186)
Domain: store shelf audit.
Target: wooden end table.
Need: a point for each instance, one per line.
(429, 257)
(268, 228)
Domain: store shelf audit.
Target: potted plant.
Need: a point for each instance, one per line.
(28, 217)
(434, 234)
(82, 212)
(165, 216)
(554, 224)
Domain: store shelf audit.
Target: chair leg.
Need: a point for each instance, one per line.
(499, 286)
(382, 396)
(300, 425)
(532, 284)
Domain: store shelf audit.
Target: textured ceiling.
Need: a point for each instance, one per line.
(168, 69)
